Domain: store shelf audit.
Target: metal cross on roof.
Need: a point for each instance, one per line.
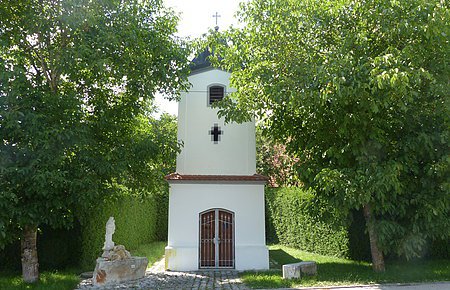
(217, 17)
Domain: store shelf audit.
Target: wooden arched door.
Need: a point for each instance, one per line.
(216, 245)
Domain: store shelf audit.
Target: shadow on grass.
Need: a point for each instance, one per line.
(48, 280)
(273, 278)
(280, 257)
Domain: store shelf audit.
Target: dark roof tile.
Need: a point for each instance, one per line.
(201, 61)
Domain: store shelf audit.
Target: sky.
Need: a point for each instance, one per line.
(196, 18)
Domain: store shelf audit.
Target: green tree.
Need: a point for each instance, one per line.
(76, 80)
(359, 91)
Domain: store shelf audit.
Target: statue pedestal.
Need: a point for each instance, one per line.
(112, 272)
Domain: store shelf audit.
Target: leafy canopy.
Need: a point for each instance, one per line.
(359, 91)
(77, 81)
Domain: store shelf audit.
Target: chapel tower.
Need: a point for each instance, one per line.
(216, 201)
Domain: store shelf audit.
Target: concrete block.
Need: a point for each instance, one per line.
(296, 270)
(291, 271)
(308, 268)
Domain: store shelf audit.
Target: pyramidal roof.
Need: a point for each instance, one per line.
(201, 61)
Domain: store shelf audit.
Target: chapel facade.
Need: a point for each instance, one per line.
(216, 199)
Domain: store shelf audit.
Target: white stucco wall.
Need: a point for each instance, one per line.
(235, 154)
(187, 201)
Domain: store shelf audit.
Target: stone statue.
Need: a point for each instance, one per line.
(109, 244)
(116, 265)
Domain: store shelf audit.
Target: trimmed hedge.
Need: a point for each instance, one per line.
(136, 224)
(295, 219)
(162, 202)
(138, 221)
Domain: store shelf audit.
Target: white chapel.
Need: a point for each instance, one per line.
(216, 199)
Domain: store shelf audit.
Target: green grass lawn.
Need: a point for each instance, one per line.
(153, 251)
(62, 280)
(48, 280)
(337, 271)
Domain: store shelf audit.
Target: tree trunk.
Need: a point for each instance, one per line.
(30, 265)
(377, 255)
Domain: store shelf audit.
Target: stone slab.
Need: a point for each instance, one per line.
(296, 270)
(113, 272)
(290, 271)
(308, 268)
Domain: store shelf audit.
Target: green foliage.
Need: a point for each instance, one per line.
(358, 91)
(59, 248)
(300, 223)
(10, 257)
(147, 207)
(78, 80)
(162, 223)
(439, 249)
(136, 222)
(359, 246)
(338, 271)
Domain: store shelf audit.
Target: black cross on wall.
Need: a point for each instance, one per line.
(215, 133)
